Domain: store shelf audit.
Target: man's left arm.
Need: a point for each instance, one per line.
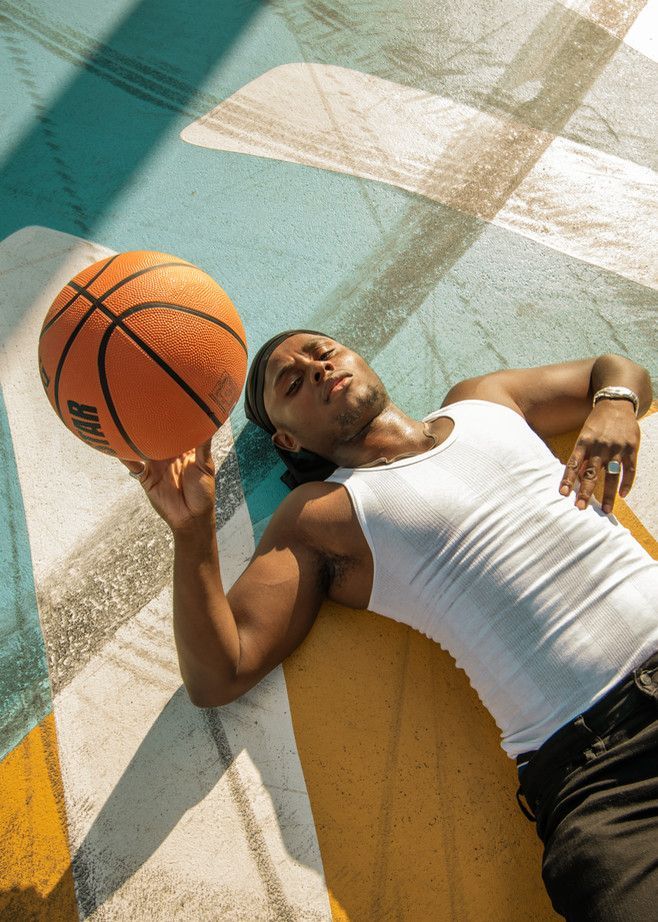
(558, 398)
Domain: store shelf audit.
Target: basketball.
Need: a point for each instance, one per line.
(142, 356)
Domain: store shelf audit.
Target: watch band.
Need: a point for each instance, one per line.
(617, 393)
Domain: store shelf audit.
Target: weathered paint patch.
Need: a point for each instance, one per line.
(36, 882)
(24, 685)
(590, 205)
(541, 64)
(155, 787)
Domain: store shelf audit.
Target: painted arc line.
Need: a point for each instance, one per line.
(125, 726)
(569, 197)
(643, 33)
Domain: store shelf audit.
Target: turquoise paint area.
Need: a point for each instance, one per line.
(24, 685)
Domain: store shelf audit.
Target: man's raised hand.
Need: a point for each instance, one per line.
(180, 489)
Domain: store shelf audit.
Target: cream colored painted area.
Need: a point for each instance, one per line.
(615, 17)
(54, 467)
(174, 813)
(208, 807)
(572, 198)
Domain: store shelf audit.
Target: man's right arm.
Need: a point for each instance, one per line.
(228, 643)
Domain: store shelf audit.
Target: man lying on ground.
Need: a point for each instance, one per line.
(466, 527)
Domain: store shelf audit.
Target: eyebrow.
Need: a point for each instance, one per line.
(308, 348)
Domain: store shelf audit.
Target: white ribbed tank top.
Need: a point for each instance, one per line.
(543, 605)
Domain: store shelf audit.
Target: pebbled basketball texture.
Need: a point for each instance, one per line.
(142, 355)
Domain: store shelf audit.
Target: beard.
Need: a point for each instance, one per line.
(365, 409)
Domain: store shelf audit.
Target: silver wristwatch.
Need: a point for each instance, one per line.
(617, 393)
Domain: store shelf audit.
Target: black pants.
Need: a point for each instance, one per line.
(593, 790)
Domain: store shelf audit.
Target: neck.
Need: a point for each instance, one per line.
(389, 435)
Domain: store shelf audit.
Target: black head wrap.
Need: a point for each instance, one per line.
(303, 466)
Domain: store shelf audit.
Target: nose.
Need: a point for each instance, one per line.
(321, 369)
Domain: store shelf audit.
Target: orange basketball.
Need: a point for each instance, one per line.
(142, 355)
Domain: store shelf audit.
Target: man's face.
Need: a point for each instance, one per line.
(320, 395)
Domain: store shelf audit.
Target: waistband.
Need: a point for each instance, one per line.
(599, 719)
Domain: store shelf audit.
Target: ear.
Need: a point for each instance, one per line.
(284, 440)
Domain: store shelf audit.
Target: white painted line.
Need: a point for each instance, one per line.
(61, 479)
(643, 33)
(580, 201)
(161, 812)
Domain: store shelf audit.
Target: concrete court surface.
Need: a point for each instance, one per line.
(450, 189)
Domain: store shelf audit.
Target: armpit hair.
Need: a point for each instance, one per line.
(332, 571)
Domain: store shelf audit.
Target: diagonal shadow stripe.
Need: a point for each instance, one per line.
(149, 801)
(253, 833)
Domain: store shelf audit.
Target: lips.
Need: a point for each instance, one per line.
(332, 382)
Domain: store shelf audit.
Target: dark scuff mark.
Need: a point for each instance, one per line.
(158, 86)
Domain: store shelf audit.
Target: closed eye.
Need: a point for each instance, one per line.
(294, 385)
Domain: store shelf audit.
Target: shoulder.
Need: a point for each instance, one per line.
(493, 387)
(312, 510)
(318, 518)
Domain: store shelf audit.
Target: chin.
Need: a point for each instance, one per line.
(366, 407)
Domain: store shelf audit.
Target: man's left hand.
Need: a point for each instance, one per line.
(610, 433)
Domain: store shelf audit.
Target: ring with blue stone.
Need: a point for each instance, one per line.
(613, 467)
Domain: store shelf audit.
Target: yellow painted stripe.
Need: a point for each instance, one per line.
(36, 882)
(412, 796)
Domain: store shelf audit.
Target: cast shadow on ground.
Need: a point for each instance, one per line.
(183, 756)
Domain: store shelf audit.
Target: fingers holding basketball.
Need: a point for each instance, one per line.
(204, 459)
(136, 469)
(180, 489)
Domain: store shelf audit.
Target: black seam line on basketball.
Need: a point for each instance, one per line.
(186, 310)
(129, 278)
(136, 338)
(65, 352)
(106, 390)
(78, 291)
(117, 321)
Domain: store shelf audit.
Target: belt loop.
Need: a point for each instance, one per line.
(525, 807)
